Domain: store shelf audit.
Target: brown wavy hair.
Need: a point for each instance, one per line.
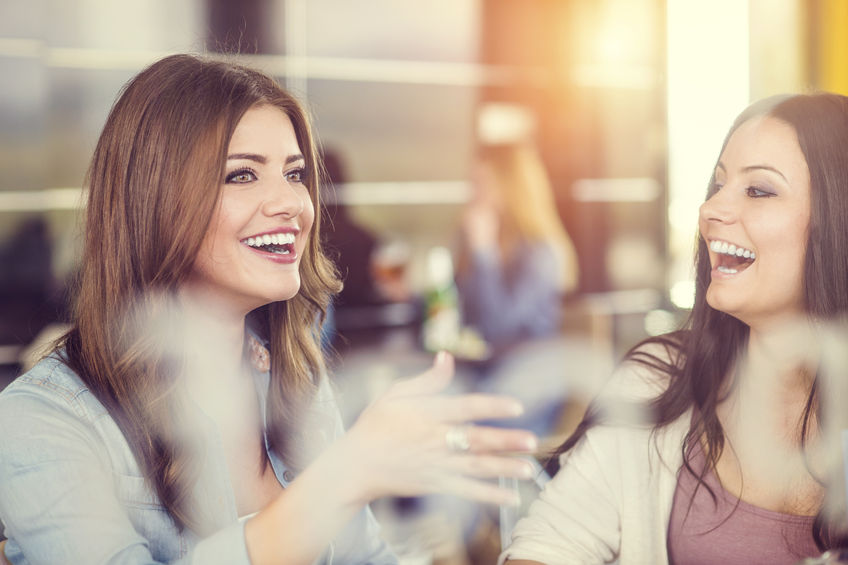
(153, 186)
(701, 358)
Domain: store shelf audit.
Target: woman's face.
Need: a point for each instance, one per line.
(756, 223)
(251, 254)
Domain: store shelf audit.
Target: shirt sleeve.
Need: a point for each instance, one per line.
(58, 495)
(575, 520)
(507, 306)
(360, 541)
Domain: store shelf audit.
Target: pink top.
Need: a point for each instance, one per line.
(731, 532)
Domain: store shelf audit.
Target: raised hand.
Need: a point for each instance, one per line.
(415, 440)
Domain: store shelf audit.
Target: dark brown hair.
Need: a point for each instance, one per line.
(153, 185)
(702, 356)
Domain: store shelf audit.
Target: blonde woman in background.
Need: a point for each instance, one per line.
(516, 260)
(515, 264)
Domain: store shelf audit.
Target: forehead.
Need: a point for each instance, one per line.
(766, 140)
(265, 126)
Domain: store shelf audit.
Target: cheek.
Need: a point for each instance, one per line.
(788, 241)
(795, 235)
(307, 217)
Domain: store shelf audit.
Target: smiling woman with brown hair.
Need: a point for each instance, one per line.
(727, 469)
(186, 416)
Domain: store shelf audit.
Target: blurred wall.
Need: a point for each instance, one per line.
(397, 88)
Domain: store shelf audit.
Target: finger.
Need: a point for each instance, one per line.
(470, 407)
(484, 439)
(432, 381)
(491, 467)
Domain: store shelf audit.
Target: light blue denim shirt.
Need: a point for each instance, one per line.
(71, 491)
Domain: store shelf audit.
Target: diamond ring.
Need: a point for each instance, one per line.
(457, 438)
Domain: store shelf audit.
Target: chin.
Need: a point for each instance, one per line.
(277, 297)
(724, 307)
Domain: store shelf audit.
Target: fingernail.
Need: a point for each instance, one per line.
(516, 409)
(441, 357)
(532, 443)
(527, 471)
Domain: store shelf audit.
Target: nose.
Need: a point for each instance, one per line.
(284, 199)
(718, 207)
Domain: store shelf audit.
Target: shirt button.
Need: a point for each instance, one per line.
(288, 476)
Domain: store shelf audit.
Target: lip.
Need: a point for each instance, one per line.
(274, 257)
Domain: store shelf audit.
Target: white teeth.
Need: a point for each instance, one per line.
(727, 270)
(731, 249)
(271, 239)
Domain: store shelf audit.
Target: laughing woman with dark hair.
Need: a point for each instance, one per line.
(186, 416)
(727, 468)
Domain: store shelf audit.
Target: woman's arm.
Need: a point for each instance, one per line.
(397, 447)
(61, 501)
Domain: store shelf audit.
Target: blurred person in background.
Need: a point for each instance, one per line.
(515, 261)
(349, 244)
(186, 416)
(32, 298)
(728, 462)
(515, 265)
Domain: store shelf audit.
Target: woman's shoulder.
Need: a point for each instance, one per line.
(646, 371)
(50, 384)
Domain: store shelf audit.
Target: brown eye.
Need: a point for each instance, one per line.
(296, 175)
(240, 176)
(755, 192)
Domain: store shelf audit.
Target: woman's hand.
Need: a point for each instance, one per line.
(480, 224)
(413, 441)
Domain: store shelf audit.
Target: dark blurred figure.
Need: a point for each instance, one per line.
(349, 245)
(30, 296)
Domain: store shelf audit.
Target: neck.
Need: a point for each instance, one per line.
(775, 378)
(214, 338)
(779, 357)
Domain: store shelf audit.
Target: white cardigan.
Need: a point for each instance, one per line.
(611, 499)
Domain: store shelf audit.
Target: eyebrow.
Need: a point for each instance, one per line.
(750, 168)
(261, 159)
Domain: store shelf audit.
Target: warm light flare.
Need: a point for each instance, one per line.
(708, 73)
